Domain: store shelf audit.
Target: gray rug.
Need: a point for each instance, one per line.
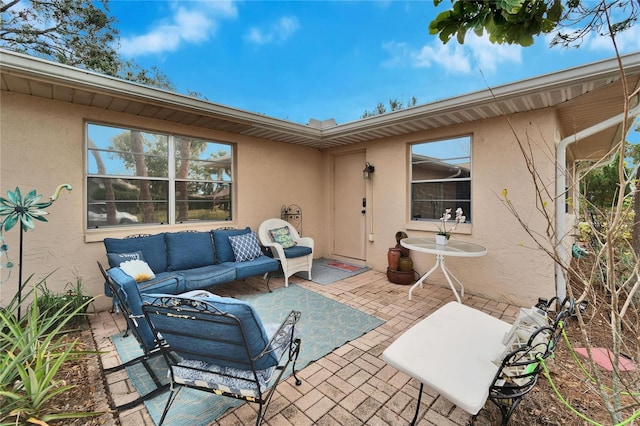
(327, 271)
(325, 325)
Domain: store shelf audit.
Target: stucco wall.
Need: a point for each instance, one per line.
(514, 269)
(42, 146)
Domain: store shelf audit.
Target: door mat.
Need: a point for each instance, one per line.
(327, 271)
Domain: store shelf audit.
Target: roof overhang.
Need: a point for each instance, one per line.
(582, 97)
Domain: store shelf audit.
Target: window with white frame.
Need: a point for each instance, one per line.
(140, 177)
(441, 178)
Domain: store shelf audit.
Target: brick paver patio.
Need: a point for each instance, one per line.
(350, 386)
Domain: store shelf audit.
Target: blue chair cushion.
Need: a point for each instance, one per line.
(296, 251)
(224, 252)
(152, 248)
(231, 347)
(226, 379)
(187, 250)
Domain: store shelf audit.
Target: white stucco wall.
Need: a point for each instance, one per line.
(42, 146)
(514, 269)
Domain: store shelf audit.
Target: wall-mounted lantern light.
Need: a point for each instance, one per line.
(367, 173)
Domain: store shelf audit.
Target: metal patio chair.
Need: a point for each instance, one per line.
(220, 345)
(139, 328)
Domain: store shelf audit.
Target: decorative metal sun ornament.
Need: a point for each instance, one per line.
(16, 209)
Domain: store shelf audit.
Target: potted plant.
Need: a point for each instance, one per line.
(443, 233)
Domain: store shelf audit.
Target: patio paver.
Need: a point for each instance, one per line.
(350, 386)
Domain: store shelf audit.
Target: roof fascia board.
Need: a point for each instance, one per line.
(44, 70)
(572, 76)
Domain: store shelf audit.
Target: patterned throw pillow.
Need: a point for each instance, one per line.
(115, 259)
(138, 270)
(245, 247)
(283, 237)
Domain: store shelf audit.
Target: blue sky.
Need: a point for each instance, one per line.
(298, 60)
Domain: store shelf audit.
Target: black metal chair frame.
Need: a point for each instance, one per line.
(519, 370)
(196, 316)
(148, 353)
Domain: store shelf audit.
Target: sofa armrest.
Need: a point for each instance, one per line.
(120, 277)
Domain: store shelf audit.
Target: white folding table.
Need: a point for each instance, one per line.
(453, 352)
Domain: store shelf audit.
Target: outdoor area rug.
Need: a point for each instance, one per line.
(325, 325)
(327, 271)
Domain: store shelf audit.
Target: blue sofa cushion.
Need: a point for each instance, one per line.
(207, 276)
(297, 251)
(187, 250)
(164, 282)
(224, 252)
(257, 266)
(232, 346)
(152, 248)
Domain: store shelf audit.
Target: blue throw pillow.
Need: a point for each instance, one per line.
(224, 252)
(152, 248)
(245, 247)
(187, 250)
(115, 259)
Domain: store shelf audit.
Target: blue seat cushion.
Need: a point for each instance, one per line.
(258, 266)
(164, 282)
(226, 379)
(224, 251)
(186, 250)
(232, 346)
(297, 251)
(207, 276)
(152, 248)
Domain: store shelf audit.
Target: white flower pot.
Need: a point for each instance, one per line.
(441, 240)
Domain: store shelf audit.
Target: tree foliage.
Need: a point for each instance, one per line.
(394, 105)
(72, 32)
(611, 280)
(518, 21)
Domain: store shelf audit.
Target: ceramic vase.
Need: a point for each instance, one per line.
(441, 240)
(406, 264)
(394, 258)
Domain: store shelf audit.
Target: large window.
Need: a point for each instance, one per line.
(441, 178)
(135, 177)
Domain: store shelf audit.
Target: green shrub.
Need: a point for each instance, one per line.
(32, 351)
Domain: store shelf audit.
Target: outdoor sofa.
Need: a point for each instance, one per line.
(178, 262)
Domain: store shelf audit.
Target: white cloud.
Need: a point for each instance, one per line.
(477, 52)
(192, 24)
(627, 41)
(277, 32)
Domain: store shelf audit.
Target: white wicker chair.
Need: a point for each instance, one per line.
(295, 259)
